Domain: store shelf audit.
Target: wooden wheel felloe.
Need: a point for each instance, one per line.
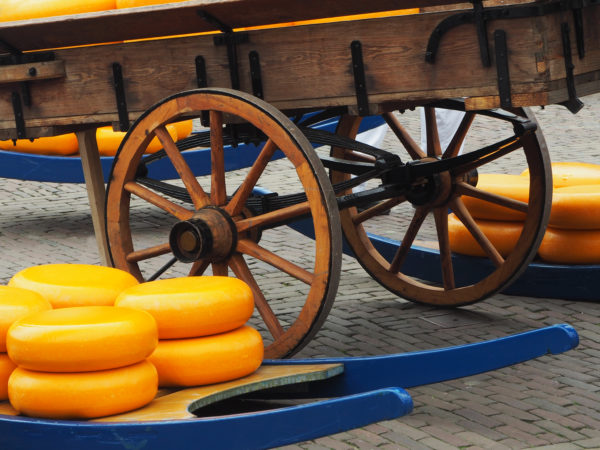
(420, 217)
(216, 230)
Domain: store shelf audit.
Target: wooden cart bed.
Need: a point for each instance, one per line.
(297, 67)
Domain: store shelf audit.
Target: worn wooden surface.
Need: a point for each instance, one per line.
(182, 18)
(174, 404)
(310, 66)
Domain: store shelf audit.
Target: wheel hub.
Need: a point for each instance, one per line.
(432, 190)
(211, 234)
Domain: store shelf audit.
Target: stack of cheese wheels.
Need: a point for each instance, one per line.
(82, 362)
(34, 9)
(573, 233)
(15, 303)
(203, 338)
(107, 139)
(67, 285)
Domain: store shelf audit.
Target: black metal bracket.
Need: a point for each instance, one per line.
(481, 26)
(573, 104)
(202, 82)
(360, 83)
(19, 118)
(119, 86)
(579, 37)
(231, 40)
(255, 74)
(485, 15)
(502, 68)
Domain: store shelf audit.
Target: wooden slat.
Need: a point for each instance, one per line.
(32, 72)
(174, 406)
(290, 65)
(182, 18)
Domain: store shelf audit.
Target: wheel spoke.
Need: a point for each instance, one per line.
(459, 135)
(441, 224)
(218, 194)
(220, 269)
(463, 188)
(459, 208)
(409, 237)
(241, 270)
(277, 216)
(197, 194)
(386, 205)
(351, 155)
(198, 268)
(148, 253)
(250, 248)
(500, 152)
(431, 130)
(234, 207)
(151, 197)
(413, 149)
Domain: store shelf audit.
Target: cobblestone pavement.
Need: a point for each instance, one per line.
(552, 402)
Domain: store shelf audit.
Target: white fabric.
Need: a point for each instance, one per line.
(447, 123)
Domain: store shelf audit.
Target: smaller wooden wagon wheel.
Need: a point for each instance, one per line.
(294, 283)
(421, 216)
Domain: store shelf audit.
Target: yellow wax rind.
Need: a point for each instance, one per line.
(6, 368)
(85, 338)
(84, 395)
(16, 303)
(66, 285)
(209, 359)
(192, 306)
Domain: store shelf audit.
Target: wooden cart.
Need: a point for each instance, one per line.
(245, 83)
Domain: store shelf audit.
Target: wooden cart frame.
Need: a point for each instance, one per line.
(244, 84)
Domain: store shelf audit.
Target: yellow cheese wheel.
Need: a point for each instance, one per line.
(83, 395)
(33, 9)
(570, 246)
(184, 128)
(65, 285)
(503, 235)
(109, 140)
(192, 306)
(64, 144)
(81, 339)
(573, 173)
(209, 359)
(512, 186)
(576, 207)
(6, 368)
(16, 303)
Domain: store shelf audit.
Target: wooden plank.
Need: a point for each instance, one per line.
(182, 18)
(293, 60)
(31, 72)
(177, 405)
(94, 181)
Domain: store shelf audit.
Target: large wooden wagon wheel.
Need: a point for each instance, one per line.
(218, 231)
(421, 216)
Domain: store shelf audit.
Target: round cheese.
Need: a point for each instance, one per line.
(81, 339)
(513, 186)
(209, 359)
(33, 9)
(64, 144)
(6, 368)
(16, 303)
(576, 207)
(192, 306)
(561, 246)
(84, 395)
(573, 173)
(65, 285)
(502, 235)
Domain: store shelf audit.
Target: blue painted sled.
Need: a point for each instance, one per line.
(569, 282)
(368, 389)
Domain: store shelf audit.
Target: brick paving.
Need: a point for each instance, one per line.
(552, 402)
